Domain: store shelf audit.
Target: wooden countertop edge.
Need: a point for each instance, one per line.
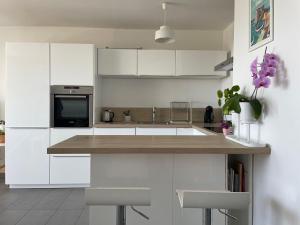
(236, 151)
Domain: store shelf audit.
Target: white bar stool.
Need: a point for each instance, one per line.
(209, 200)
(120, 197)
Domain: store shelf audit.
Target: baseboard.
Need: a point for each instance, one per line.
(17, 186)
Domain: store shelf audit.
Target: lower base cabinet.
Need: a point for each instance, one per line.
(69, 169)
(26, 158)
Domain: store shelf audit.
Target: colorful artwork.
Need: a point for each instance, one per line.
(261, 23)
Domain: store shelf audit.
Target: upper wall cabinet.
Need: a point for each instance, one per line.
(72, 64)
(199, 63)
(27, 85)
(117, 61)
(156, 62)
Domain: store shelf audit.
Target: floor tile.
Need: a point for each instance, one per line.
(84, 217)
(53, 200)
(11, 217)
(74, 201)
(29, 200)
(36, 217)
(65, 217)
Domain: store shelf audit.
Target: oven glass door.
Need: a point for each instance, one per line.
(71, 111)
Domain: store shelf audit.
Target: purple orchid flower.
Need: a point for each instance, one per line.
(271, 56)
(253, 68)
(261, 72)
(262, 81)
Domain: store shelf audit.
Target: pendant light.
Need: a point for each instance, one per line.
(165, 34)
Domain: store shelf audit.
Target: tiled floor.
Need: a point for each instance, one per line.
(42, 206)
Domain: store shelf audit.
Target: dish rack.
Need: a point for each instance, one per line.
(180, 112)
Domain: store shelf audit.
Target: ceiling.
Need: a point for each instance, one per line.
(128, 14)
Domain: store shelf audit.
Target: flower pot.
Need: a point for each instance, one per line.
(2, 138)
(127, 119)
(227, 131)
(246, 113)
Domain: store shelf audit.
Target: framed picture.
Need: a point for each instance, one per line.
(261, 23)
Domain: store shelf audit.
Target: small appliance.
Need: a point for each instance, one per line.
(108, 116)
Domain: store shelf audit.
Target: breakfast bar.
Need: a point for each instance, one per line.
(164, 165)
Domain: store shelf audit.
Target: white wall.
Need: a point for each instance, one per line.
(158, 92)
(277, 180)
(117, 38)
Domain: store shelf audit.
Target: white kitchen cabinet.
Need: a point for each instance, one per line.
(114, 131)
(156, 62)
(117, 62)
(199, 63)
(69, 168)
(197, 172)
(155, 131)
(189, 132)
(72, 64)
(27, 161)
(27, 85)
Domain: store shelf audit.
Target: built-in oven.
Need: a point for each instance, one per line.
(71, 106)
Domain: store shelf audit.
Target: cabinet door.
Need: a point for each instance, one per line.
(199, 63)
(156, 62)
(27, 161)
(114, 131)
(117, 61)
(197, 172)
(27, 85)
(72, 64)
(69, 168)
(155, 131)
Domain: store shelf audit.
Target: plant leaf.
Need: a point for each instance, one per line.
(256, 107)
(219, 102)
(226, 93)
(220, 94)
(235, 88)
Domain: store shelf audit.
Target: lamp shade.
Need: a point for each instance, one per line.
(165, 35)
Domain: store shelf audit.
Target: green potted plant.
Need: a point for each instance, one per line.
(127, 117)
(250, 107)
(236, 102)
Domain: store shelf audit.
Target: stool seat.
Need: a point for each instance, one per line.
(213, 199)
(136, 196)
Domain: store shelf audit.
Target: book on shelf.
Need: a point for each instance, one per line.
(236, 177)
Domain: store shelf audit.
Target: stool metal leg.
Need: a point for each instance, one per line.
(121, 215)
(206, 216)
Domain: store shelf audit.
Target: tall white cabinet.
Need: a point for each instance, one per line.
(30, 70)
(27, 85)
(27, 113)
(72, 64)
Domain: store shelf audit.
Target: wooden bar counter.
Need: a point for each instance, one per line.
(102, 144)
